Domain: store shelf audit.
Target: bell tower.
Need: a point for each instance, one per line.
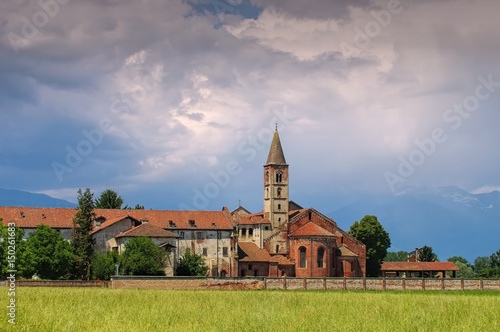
(276, 187)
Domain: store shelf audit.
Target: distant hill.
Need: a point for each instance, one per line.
(27, 199)
(450, 220)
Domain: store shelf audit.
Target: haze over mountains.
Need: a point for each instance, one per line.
(450, 220)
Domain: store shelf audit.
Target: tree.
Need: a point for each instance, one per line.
(495, 259)
(488, 267)
(82, 240)
(466, 270)
(143, 257)
(481, 263)
(103, 264)
(400, 256)
(192, 264)
(109, 199)
(137, 207)
(427, 255)
(371, 233)
(456, 259)
(47, 254)
(11, 241)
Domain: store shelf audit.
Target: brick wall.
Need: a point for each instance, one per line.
(60, 283)
(200, 283)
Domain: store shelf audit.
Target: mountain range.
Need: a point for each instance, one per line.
(23, 198)
(450, 220)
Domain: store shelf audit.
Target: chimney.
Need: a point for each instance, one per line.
(43, 216)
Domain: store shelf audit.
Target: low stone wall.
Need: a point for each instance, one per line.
(59, 283)
(199, 283)
(187, 283)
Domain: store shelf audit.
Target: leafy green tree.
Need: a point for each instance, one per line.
(192, 265)
(82, 240)
(489, 272)
(488, 267)
(143, 257)
(371, 233)
(481, 263)
(47, 254)
(456, 259)
(6, 236)
(103, 264)
(427, 255)
(109, 199)
(495, 259)
(466, 270)
(400, 256)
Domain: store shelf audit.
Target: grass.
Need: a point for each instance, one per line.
(102, 309)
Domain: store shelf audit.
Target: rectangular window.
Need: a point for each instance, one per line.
(303, 262)
(219, 235)
(243, 232)
(198, 236)
(205, 252)
(181, 235)
(224, 251)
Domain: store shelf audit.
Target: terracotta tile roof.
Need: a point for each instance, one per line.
(27, 217)
(419, 266)
(253, 253)
(252, 219)
(111, 221)
(147, 230)
(346, 252)
(63, 217)
(281, 260)
(311, 229)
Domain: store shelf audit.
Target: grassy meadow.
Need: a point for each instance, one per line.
(102, 309)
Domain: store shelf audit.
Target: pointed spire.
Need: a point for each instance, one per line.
(276, 156)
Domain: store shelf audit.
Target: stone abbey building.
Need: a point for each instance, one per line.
(282, 240)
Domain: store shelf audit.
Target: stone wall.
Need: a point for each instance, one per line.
(60, 283)
(305, 283)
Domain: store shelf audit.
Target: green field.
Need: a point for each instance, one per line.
(102, 309)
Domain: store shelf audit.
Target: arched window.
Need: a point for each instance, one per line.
(279, 192)
(303, 262)
(279, 176)
(267, 177)
(277, 248)
(321, 256)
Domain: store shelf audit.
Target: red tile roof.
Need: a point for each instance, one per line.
(311, 229)
(253, 253)
(419, 266)
(146, 230)
(63, 217)
(252, 219)
(111, 221)
(26, 217)
(281, 260)
(346, 252)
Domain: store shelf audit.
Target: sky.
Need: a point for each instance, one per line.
(173, 103)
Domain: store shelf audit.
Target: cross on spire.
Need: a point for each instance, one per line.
(276, 125)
